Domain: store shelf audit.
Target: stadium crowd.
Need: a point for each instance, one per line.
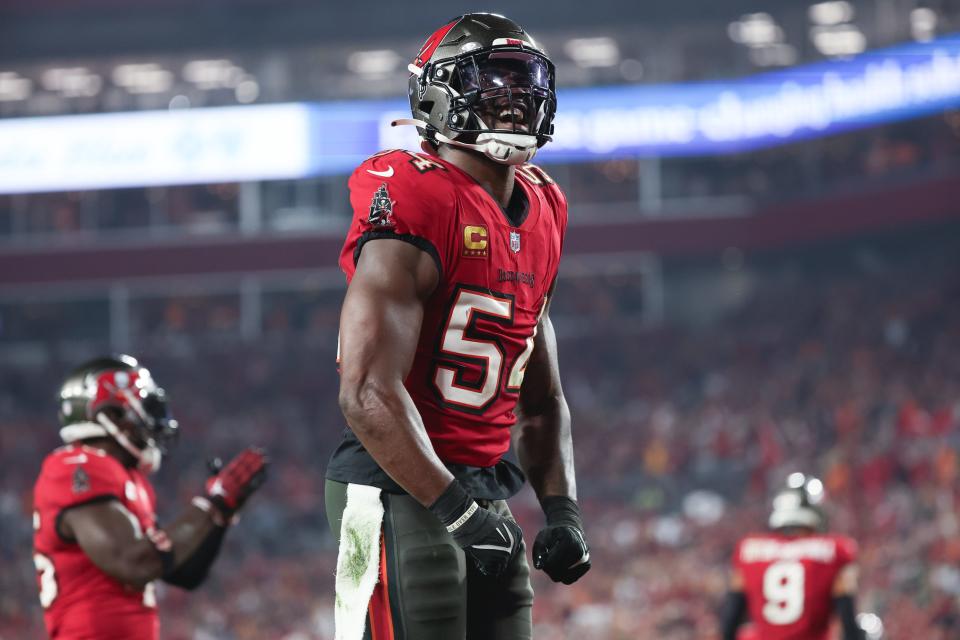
(839, 360)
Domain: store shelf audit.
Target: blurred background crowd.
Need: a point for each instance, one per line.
(724, 319)
(838, 359)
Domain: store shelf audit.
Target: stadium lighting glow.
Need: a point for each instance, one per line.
(373, 63)
(235, 144)
(923, 24)
(871, 624)
(796, 480)
(72, 82)
(142, 78)
(815, 487)
(839, 40)
(632, 70)
(774, 55)
(13, 87)
(593, 52)
(755, 30)
(830, 13)
(247, 91)
(213, 74)
(179, 102)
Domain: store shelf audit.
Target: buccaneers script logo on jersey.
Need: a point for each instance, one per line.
(381, 208)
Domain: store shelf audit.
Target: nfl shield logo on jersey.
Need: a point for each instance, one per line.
(515, 241)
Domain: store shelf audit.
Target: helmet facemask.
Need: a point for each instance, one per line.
(505, 97)
(499, 101)
(123, 403)
(142, 404)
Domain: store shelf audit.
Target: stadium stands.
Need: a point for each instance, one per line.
(834, 359)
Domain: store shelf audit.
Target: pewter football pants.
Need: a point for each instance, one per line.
(432, 592)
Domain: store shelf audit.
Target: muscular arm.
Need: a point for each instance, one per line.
(542, 433)
(379, 331)
(734, 608)
(110, 536)
(844, 602)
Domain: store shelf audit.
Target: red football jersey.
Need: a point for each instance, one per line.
(479, 324)
(81, 602)
(788, 582)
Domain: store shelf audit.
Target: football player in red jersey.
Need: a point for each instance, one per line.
(446, 349)
(97, 544)
(792, 580)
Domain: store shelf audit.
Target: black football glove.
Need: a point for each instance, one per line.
(560, 549)
(488, 539)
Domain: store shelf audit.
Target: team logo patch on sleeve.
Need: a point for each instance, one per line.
(81, 481)
(381, 208)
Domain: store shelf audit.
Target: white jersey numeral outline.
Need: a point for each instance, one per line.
(783, 592)
(457, 343)
(49, 590)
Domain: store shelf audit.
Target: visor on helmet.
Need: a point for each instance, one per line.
(505, 91)
(156, 422)
(138, 400)
(504, 69)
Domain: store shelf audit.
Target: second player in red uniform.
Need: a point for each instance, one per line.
(791, 581)
(98, 547)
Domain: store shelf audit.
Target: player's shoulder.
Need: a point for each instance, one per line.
(535, 176)
(537, 179)
(72, 455)
(404, 193)
(401, 168)
(76, 467)
(846, 546)
(742, 550)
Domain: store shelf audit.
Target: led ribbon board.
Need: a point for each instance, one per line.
(155, 148)
(298, 140)
(706, 118)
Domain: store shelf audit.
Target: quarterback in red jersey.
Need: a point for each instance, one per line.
(793, 579)
(97, 545)
(447, 351)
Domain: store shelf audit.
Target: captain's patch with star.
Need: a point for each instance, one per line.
(381, 208)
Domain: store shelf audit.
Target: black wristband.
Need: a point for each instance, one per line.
(562, 510)
(167, 563)
(846, 611)
(452, 505)
(732, 613)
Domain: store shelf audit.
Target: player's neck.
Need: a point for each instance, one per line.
(113, 449)
(495, 178)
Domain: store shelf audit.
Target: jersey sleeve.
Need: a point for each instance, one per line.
(846, 551)
(400, 195)
(735, 562)
(74, 479)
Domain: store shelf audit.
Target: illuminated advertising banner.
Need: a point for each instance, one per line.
(299, 140)
(155, 148)
(763, 110)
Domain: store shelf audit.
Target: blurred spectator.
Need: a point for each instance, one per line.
(838, 362)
